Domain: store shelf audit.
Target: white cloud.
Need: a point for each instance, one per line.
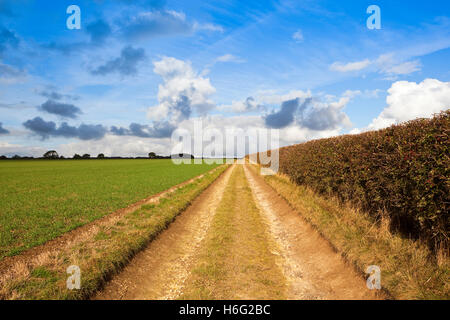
(352, 93)
(298, 36)
(111, 145)
(351, 66)
(207, 27)
(390, 65)
(248, 105)
(182, 93)
(162, 23)
(10, 149)
(273, 98)
(387, 64)
(366, 93)
(409, 100)
(290, 135)
(229, 58)
(405, 68)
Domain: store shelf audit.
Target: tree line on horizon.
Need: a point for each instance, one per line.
(53, 155)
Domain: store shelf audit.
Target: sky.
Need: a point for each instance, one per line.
(136, 71)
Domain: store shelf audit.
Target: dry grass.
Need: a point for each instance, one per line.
(100, 251)
(236, 259)
(409, 269)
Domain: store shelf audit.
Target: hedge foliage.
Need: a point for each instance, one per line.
(402, 171)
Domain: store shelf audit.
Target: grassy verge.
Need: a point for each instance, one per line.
(235, 261)
(103, 252)
(409, 270)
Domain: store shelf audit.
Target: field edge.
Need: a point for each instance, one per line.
(104, 250)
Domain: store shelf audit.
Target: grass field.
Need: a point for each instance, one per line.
(40, 200)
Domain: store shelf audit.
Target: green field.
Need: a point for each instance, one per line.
(40, 200)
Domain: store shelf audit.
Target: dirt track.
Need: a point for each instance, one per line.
(160, 271)
(306, 264)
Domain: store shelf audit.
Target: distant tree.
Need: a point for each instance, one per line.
(76, 156)
(3, 157)
(52, 154)
(61, 157)
(101, 156)
(16, 157)
(152, 155)
(86, 156)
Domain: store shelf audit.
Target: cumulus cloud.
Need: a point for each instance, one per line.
(3, 130)
(159, 129)
(319, 116)
(248, 105)
(245, 123)
(182, 93)
(310, 113)
(125, 65)
(47, 129)
(131, 145)
(283, 117)
(60, 109)
(410, 100)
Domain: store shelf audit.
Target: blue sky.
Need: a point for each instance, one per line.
(137, 70)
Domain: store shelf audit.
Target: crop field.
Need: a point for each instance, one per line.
(40, 200)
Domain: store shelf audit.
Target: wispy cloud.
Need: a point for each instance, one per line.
(10, 74)
(298, 36)
(351, 66)
(207, 27)
(229, 58)
(387, 64)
